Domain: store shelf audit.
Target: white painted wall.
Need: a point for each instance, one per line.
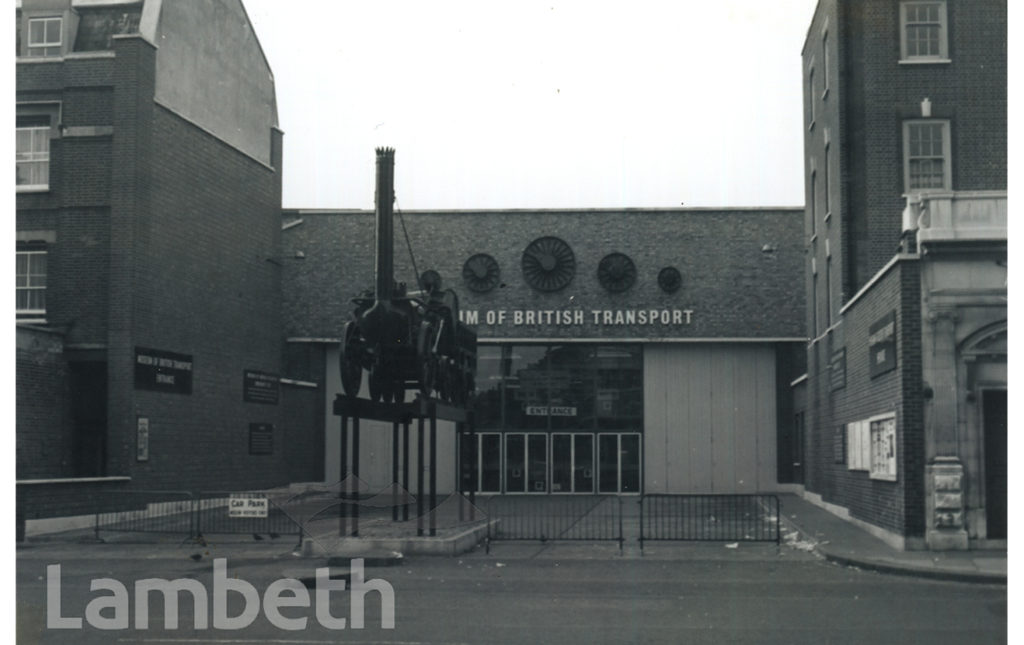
(709, 418)
(375, 444)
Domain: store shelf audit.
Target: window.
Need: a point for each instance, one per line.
(824, 64)
(926, 156)
(810, 96)
(44, 37)
(923, 32)
(827, 178)
(33, 158)
(30, 282)
(34, 127)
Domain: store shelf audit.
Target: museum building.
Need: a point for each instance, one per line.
(620, 350)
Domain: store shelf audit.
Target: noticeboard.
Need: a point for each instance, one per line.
(260, 387)
(261, 439)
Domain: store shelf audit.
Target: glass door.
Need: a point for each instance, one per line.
(489, 445)
(526, 462)
(618, 462)
(572, 463)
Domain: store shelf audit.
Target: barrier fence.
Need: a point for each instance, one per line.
(724, 518)
(730, 518)
(554, 517)
(193, 514)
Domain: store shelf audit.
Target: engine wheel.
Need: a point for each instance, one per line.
(351, 370)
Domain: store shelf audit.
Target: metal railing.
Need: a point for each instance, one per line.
(719, 518)
(143, 511)
(213, 513)
(191, 514)
(554, 517)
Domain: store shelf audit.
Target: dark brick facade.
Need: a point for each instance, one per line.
(738, 268)
(857, 125)
(897, 506)
(159, 235)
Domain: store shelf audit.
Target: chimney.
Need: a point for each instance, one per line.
(385, 224)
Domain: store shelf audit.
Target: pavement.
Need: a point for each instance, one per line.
(843, 542)
(808, 531)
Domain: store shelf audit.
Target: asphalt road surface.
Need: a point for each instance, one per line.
(722, 598)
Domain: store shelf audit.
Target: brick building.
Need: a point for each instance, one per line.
(148, 262)
(619, 350)
(904, 404)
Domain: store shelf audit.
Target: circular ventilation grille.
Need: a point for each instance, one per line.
(616, 272)
(481, 273)
(430, 280)
(548, 264)
(669, 279)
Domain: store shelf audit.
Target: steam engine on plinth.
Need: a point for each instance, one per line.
(405, 340)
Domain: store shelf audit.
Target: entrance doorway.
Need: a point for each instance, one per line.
(994, 422)
(559, 462)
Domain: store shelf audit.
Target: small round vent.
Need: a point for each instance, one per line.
(616, 272)
(430, 281)
(548, 264)
(669, 279)
(481, 273)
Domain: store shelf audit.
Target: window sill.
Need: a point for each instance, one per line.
(925, 61)
(828, 216)
(824, 95)
(810, 128)
(32, 189)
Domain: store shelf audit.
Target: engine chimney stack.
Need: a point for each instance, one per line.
(385, 225)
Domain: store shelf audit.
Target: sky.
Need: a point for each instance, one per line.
(539, 104)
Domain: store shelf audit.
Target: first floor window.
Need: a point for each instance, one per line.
(926, 155)
(31, 282)
(32, 148)
(923, 31)
(44, 36)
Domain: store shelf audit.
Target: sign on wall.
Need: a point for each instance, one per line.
(142, 439)
(260, 387)
(883, 449)
(162, 371)
(882, 345)
(261, 439)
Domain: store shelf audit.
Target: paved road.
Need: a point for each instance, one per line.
(714, 597)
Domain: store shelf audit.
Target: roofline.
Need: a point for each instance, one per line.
(596, 211)
(807, 37)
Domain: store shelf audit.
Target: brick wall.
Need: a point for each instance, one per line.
(896, 506)
(41, 397)
(207, 284)
(880, 94)
(734, 288)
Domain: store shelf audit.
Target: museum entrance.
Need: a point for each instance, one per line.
(561, 462)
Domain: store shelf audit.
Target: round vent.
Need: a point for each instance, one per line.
(669, 279)
(481, 273)
(430, 281)
(548, 264)
(616, 272)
